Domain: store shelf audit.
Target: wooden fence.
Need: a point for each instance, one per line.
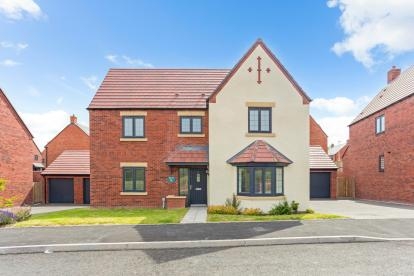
(38, 192)
(345, 187)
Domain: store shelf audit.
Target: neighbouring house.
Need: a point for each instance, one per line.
(323, 171)
(20, 158)
(74, 136)
(318, 137)
(336, 153)
(66, 174)
(198, 136)
(67, 178)
(381, 142)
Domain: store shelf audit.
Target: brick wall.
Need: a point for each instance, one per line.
(396, 183)
(16, 156)
(107, 151)
(317, 135)
(70, 138)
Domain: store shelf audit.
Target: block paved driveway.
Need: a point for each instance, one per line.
(363, 209)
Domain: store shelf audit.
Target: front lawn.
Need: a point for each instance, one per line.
(105, 216)
(300, 216)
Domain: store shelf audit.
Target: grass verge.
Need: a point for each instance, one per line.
(219, 217)
(105, 216)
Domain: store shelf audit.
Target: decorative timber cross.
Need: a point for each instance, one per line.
(259, 70)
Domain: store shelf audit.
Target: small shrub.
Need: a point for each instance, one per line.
(281, 208)
(252, 212)
(22, 213)
(222, 209)
(309, 211)
(233, 202)
(7, 217)
(294, 206)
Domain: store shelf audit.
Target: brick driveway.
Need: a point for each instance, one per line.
(363, 209)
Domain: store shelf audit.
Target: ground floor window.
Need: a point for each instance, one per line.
(260, 181)
(133, 179)
(183, 181)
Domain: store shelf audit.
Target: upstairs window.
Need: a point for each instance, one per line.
(381, 163)
(190, 125)
(133, 126)
(379, 124)
(260, 119)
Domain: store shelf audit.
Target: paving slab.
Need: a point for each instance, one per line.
(363, 209)
(41, 209)
(196, 214)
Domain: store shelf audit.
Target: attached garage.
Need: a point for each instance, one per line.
(322, 174)
(320, 184)
(61, 190)
(67, 178)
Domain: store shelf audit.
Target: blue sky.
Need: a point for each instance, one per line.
(54, 54)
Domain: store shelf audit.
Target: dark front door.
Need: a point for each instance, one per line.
(61, 190)
(320, 185)
(86, 191)
(198, 186)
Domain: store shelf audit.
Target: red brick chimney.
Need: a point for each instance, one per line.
(73, 119)
(393, 73)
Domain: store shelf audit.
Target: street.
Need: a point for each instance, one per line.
(375, 258)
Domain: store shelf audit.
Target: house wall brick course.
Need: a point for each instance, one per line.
(107, 152)
(396, 183)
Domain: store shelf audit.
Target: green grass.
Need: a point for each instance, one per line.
(105, 216)
(218, 217)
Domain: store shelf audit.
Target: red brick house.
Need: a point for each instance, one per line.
(323, 171)
(73, 137)
(381, 142)
(67, 178)
(171, 136)
(318, 137)
(66, 174)
(19, 155)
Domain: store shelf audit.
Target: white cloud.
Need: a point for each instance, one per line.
(334, 115)
(112, 58)
(17, 9)
(127, 61)
(59, 100)
(9, 63)
(136, 62)
(375, 31)
(33, 91)
(18, 47)
(45, 126)
(91, 82)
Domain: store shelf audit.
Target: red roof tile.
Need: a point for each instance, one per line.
(259, 152)
(70, 162)
(188, 154)
(157, 88)
(319, 159)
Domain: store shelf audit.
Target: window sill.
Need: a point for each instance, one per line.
(133, 193)
(173, 196)
(279, 197)
(260, 134)
(133, 139)
(191, 135)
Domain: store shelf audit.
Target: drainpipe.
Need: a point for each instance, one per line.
(163, 203)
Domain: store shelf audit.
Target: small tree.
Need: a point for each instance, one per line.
(5, 202)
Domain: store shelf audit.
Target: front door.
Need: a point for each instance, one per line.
(198, 186)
